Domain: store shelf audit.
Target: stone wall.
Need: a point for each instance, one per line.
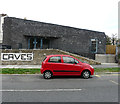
(39, 55)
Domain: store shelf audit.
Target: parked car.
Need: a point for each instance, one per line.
(65, 65)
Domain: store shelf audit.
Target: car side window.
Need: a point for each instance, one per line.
(69, 60)
(76, 61)
(56, 59)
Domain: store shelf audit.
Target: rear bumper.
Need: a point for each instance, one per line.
(41, 70)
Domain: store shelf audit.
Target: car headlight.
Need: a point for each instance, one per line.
(91, 66)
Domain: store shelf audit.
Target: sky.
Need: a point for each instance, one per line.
(97, 15)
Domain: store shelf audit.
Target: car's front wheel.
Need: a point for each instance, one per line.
(86, 74)
(47, 74)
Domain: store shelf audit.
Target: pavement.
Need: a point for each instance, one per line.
(20, 66)
(33, 88)
(106, 65)
(103, 65)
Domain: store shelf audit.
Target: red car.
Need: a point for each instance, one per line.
(65, 65)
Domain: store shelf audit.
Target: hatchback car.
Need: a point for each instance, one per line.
(65, 65)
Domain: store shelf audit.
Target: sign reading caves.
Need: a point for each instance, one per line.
(16, 56)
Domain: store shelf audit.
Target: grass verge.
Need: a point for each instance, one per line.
(37, 71)
(19, 71)
(107, 69)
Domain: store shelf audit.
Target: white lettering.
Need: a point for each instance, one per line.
(16, 56)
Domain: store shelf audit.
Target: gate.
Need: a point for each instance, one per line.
(110, 49)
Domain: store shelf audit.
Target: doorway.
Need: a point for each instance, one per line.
(38, 43)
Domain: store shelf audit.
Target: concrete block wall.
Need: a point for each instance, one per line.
(119, 55)
(105, 58)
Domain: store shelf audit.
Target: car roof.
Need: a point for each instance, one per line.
(57, 55)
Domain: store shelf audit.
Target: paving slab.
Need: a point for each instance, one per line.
(20, 66)
(103, 65)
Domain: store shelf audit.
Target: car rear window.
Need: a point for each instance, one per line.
(55, 59)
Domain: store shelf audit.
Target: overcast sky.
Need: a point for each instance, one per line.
(98, 15)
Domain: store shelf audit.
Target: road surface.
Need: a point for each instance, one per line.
(33, 88)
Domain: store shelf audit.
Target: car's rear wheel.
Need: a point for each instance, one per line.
(47, 74)
(86, 74)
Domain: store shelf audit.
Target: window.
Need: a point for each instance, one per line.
(94, 45)
(6, 47)
(69, 60)
(76, 62)
(38, 43)
(19, 45)
(56, 59)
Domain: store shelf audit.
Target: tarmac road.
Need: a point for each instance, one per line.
(33, 88)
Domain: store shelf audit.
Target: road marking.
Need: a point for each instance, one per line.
(41, 90)
(115, 74)
(98, 76)
(107, 75)
(114, 82)
(111, 75)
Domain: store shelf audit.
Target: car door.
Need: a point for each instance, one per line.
(55, 65)
(71, 66)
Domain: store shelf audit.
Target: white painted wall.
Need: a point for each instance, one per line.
(1, 30)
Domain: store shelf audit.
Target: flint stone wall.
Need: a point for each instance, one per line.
(39, 55)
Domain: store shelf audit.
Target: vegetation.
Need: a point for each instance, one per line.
(108, 41)
(19, 71)
(37, 71)
(117, 69)
(111, 40)
(118, 56)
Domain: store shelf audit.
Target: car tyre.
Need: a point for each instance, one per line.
(86, 74)
(47, 75)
